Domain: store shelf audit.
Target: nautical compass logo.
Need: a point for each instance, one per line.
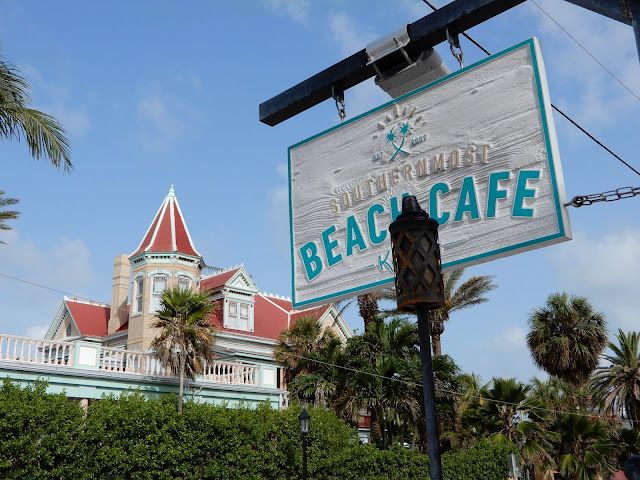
(395, 131)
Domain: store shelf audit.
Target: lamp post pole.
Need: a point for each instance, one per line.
(304, 418)
(420, 288)
(305, 475)
(428, 390)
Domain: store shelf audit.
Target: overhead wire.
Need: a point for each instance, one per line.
(452, 392)
(343, 367)
(583, 130)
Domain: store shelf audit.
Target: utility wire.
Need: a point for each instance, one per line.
(586, 51)
(472, 40)
(450, 392)
(343, 367)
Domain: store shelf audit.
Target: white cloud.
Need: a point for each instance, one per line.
(511, 338)
(348, 34)
(594, 98)
(57, 101)
(297, 10)
(605, 269)
(64, 265)
(352, 37)
(164, 118)
(37, 331)
(278, 213)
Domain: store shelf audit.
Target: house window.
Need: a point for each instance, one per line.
(68, 332)
(138, 299)
(159, 286)
(184, 283)
(239, 316)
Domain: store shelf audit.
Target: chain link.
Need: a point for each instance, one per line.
(610, 196)
(342, 113)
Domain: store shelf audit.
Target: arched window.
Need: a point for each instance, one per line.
(68, 331)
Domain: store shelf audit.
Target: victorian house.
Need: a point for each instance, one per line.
(93, 349)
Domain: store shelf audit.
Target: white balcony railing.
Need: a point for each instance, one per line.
(22, 349)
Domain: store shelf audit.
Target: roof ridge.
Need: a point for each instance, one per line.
(273, 303)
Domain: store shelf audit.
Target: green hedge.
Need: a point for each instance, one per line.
(47, 437)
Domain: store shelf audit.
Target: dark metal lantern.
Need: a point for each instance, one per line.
(416, 254)
(304, 418)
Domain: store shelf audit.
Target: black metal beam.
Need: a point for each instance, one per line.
(608, 8)
(457, 16)
(635, 12)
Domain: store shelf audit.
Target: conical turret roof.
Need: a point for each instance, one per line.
(168, 231)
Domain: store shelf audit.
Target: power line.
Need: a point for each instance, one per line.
(477, 44)
(343, 367)
(586, 51)
(450, 392)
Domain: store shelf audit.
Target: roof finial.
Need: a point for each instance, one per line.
(171, 191)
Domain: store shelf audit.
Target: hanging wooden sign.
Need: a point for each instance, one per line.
(477, 148)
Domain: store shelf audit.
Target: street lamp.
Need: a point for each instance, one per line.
(419, 288)
(304, 418)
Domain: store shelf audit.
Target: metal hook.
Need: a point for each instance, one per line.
(454, 42)
(338, 96)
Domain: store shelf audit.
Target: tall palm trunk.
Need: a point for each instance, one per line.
(436, 329)
(368, 307)
(181, 387)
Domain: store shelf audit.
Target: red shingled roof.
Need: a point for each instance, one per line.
(217, 281)
(90, 319)
(168, 231)
(268, 319)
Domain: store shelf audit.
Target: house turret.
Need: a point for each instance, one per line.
(165, 257)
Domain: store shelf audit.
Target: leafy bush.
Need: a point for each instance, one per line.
(48, 437)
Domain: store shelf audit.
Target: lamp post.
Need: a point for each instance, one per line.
(304, 431)
(419, 288)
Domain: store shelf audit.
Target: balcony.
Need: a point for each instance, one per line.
(81, 365)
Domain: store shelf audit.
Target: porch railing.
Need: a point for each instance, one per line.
(22, 349)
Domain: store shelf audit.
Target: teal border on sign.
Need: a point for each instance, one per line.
(545, 126)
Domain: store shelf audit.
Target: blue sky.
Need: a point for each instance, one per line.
(160, 93)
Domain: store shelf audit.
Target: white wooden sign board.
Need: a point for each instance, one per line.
(477, 148)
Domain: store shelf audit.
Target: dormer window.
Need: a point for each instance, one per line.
(159, 286)
(238, 315)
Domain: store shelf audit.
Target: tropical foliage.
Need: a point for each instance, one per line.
(44, 135)
(186, 339)
(566, 337)
(617, 385)
(471, 292)
(7, 214)
(45, 436)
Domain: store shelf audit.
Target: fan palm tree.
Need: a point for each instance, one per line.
(186, 339)
(566, 337)
(508, 415)
(296, 343)
(617, 386)
(584, 451)
(7, 214)
(43, 133)
(470, 293)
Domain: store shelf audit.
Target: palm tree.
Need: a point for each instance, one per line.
(43, 133)
(385, 384)
(566, 337)
(508, 415)
(296, 343)
(617, 386)
(470, 293)
(7, 214)
(186, 338)
(585, 451)
(321, 376)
